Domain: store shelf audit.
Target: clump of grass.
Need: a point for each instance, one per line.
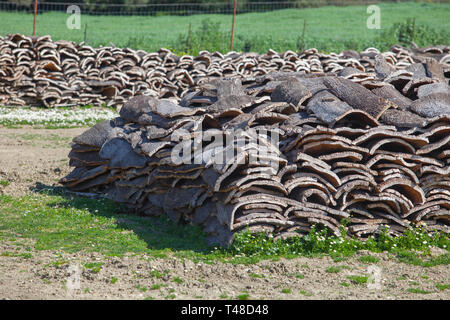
(297, 275)
(141, 288)
(256, 275)
(286, 290)
(157, 286)
(244, 296)
(358, 279)
(94, 267)
(4, 183)
(418, 291)
(305, 293)
(25, 255)
(156, 274)
(336, 269)
(177, 280)
(442, 286)
(344, 284)
(368, 259)
(114, 280)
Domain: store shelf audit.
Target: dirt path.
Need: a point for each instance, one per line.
(49, 275)
(33, 157)
(29, 156)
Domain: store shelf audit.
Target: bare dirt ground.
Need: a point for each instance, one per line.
(29, 157)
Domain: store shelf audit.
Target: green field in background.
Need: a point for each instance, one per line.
(328, 28)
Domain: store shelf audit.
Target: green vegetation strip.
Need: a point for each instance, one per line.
(62, 117)
(55, 220)
(328, 28)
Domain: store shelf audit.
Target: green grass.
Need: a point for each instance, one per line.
(4, 183)
(358, 279)
(156, 274)
(336, 269)
(95, 267)
(328, 28)
(177, 280)
(59, 221)
(368, 259)
(157, 286)
(419, 291)
(305, 293)
(296, 275)
(244, 296)
(256, 275)
(141, 288)
(286, 290)
(442, 286)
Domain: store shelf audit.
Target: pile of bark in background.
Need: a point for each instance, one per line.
(36, 71)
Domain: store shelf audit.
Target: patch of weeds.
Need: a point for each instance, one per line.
(338, 258)
(256, 275)
(4, 183)
(336, 269)
(157, 286)
(94, 267)
(46, 281)
(297, 275)
(177, 280)
(87, 290)
(344, 284)
(402, 278)
(25, 255)
(113, 280)
(442, 286)
(198, 297)
(223, 296)
(170, 296)
(286, 290)
(368, 259)
(149, 298)
(417, 290)
(414, 283)
(244, 296)
(425, 277)
(358, 279)
(414, 258)
(141, 288)
(156, 274)
(305, 293)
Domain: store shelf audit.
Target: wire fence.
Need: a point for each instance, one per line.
(156, 9)
(278, 25)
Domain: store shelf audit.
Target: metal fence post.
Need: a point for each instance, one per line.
(35, 13)
(232, 27)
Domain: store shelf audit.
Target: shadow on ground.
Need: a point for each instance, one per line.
(159, 233)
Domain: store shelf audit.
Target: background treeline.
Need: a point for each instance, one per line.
(174, 7)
